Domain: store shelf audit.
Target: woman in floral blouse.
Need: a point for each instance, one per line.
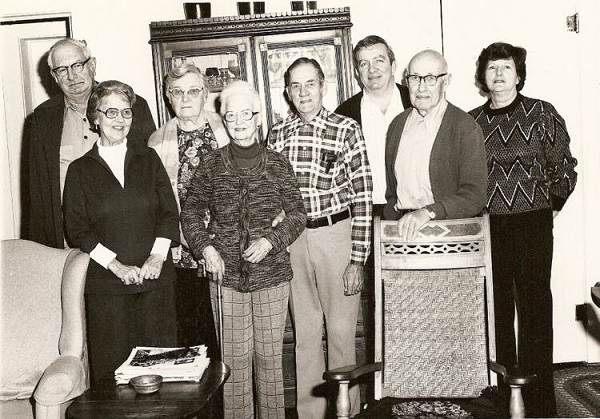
(181, 143)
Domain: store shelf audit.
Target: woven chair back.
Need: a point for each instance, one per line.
(434, 310)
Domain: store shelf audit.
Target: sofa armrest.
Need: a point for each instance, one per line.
(63, 380)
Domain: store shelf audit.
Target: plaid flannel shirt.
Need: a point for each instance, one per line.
(329, 157)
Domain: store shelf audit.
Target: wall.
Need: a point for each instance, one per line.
(554, 60)
(118, 33)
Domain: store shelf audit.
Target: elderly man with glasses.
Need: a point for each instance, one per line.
(434, 157)
(59, 133)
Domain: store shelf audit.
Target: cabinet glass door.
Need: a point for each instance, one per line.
(220, 66)
(276, 56)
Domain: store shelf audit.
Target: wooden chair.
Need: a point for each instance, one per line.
(434, 317)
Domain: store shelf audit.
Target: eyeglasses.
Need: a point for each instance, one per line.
(194, 92)
(112, 113)
(244, 115)
(75, 68)
(429, 80)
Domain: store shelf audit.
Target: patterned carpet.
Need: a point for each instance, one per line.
(577, 396)
(578, 391)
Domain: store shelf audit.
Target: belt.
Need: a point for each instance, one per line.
(328, 220)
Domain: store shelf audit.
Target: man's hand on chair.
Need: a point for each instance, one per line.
(411, 223)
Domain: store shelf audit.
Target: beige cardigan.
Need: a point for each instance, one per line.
(164, 141)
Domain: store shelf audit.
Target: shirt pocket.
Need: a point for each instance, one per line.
(325, 170)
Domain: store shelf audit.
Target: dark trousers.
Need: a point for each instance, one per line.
(117, 323)
(195, 325)
(522, 262)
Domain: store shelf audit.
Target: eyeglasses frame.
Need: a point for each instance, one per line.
(186, 92)
(422, 79)
(57, 70)
(118, 112)
(251, 113)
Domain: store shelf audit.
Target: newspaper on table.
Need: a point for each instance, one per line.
(174, 364)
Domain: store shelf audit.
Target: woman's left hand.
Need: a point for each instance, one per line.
(257, 250)
(152, 267)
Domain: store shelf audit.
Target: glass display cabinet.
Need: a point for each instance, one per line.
(258, 49)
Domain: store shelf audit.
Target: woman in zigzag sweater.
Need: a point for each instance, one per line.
(530, 176)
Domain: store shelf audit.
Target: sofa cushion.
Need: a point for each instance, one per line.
(30, 318)
(17, 409)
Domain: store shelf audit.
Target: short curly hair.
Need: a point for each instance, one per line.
(239, 87)
(102, 90)
(501, 51)
(177, 72)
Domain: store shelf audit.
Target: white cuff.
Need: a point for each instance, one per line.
(161, 247)
(102, 255)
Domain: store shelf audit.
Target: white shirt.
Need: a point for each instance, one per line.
(411, 168)
(374, 126)
(114, 156)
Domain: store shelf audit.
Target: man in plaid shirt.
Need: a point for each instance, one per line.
(328, 154)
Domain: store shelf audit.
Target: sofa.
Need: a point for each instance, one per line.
(42, 330)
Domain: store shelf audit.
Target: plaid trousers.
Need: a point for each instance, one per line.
(253, 325)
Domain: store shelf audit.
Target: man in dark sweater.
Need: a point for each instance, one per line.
(60, 133)
(380, 101)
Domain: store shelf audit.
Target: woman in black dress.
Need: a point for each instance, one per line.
(119, 207)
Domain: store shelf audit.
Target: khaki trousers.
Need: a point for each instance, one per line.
(319, 258)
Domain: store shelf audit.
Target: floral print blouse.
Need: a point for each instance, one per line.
(192, 146)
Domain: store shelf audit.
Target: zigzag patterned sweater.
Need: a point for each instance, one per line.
(530, 166)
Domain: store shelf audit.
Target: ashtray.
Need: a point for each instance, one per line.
(146, 384)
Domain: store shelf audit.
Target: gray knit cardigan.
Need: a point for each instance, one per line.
(242, 204)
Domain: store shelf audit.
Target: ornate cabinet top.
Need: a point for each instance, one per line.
(248, 25)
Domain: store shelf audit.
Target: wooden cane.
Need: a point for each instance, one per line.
(220, 315)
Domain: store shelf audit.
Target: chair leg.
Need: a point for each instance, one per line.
(517, 407)
(343, 400)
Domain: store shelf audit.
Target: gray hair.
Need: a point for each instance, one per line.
(177, 72)
(81, 44)
(239, 87)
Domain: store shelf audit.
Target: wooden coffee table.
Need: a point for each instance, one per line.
(177, 400)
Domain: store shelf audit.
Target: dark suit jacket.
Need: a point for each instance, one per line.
(457, 166)
(45, 220)
(126, 220)
(351, 107)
